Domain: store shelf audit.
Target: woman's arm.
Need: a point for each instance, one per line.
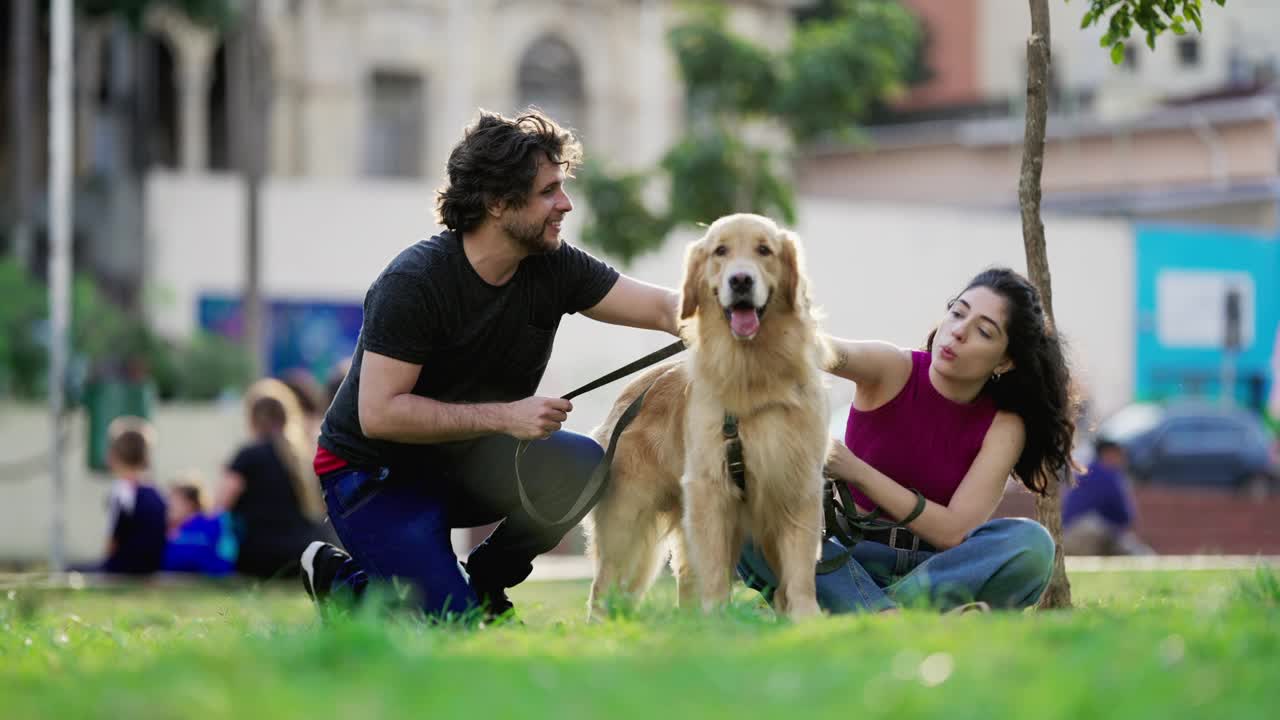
(943, 526)
(869, 362)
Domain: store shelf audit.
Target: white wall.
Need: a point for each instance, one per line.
(886, 272)
(880, 271)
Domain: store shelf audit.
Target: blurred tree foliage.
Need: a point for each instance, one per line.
(842, 58)
(106, 340)
(629, 228)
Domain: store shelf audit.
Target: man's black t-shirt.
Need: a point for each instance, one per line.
(475, 342)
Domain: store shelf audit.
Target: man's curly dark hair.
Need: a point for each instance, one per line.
(497, 161)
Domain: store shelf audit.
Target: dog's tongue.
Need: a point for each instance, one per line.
(744, 322)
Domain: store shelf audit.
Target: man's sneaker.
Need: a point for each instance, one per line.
(496, 605)
(320, 563)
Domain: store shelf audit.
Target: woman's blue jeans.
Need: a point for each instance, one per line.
(1005, 562)
(396, 521)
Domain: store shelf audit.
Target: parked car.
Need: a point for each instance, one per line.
(1195, 443)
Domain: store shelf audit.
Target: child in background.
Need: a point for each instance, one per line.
(198, 543)
(138, 512)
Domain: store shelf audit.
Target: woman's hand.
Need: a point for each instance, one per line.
(841, 463)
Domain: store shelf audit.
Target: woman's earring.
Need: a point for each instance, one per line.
(995, 377)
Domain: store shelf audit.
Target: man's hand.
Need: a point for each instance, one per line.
(535, 418)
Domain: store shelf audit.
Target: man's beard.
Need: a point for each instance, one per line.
(529, 236)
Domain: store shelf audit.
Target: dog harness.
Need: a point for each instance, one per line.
(733, 453)
(842, 520)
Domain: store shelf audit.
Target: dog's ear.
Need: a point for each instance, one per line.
(695, 257)
(791, 287)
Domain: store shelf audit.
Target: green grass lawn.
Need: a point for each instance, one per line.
(1159, 644)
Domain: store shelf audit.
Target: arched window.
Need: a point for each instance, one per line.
(394, 124)
(158, 108)
(550, 77)
(224, 111)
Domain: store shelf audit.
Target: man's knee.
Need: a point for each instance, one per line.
(578, 454)
(561, 475)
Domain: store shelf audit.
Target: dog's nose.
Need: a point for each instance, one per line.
(740, 283)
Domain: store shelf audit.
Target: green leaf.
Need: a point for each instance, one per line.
(1117, 53)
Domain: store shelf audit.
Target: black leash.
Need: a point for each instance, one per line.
(849, 527)
(651, 359)
(600, 475)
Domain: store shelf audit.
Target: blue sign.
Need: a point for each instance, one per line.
(313, 335)
(1208, 298)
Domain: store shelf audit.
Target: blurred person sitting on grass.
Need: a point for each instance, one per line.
(197, 543)
(274, 504)
(1099, 512)
(423, 433)
(138, 512)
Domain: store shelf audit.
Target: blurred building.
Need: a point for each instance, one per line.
(1185, 133)
(382, 88)
(363, 99)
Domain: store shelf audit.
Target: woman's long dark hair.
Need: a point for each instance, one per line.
(1038, 387)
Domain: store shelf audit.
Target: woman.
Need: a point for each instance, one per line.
(988, 398)
(273, 502)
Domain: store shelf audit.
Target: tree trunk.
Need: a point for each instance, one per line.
(22, 67)
(1048, 508)
(249, 137)
(91, 38)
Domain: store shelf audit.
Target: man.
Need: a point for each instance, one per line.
(1098, 513)
(422, 435)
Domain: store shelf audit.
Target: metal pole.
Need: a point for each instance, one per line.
(1228, 379)
(60, 214)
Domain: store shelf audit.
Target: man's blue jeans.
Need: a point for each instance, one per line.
(1006, 562)
(396, 522)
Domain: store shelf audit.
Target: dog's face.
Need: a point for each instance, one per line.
(742, 268)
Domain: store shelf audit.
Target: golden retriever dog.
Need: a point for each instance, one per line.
(754, 352)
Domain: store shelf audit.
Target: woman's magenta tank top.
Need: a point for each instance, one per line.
(919, 438)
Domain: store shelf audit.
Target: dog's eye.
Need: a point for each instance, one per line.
(722, 250)
(764, 251)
